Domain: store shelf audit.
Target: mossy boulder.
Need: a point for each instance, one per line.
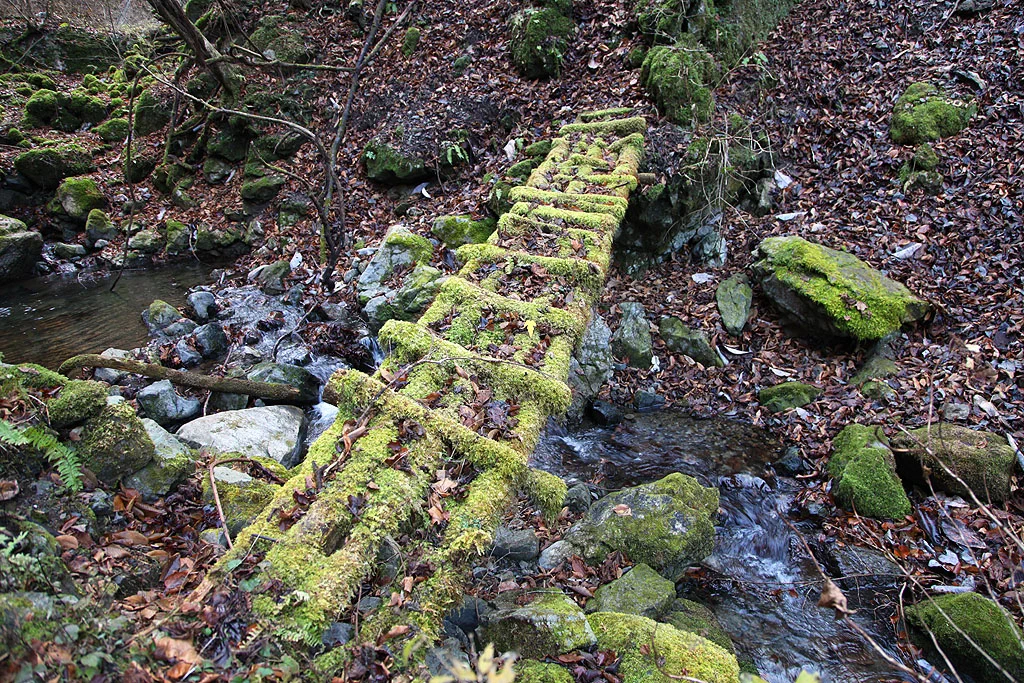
(455, 231)
(864, 473)
(386, 164)
(550, 624)
(160, 315)
(693, 343)
(99, 227)
(632, 338)
(151, 114)
(875, 367)
(957, 621)
(405, 302)
(400, 249)
(230, 145)
(79, 196)
(919, 172)
(115, 444)
(734, 298)
(678, 79)
(538, 150)
(833, 293)
(20, 249)
(172, 463)
(693, 617)
(114, 130)
(176, 237)
(660, 653)
(983, 460)
(78, 401)
(787, 395)
(923, 113)
(641, 591)
(539, 40)
(667, 524)
(242, 496)
(262, 190)
(140, 167)
(277, 42)
(42, 107)
(532, 671)
(46, 167)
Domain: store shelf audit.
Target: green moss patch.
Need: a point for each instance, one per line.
(539, 41)
(787, 395)
(953, 619)
(864, 473)
(923, 113)
(678, 79)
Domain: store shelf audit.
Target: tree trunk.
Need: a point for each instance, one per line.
(174, 16)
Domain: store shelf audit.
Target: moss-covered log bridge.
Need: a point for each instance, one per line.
(451, 416)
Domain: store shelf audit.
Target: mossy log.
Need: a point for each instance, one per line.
(452, 396)
(228, 385)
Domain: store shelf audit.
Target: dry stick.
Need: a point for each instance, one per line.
(288, 65)
(231, 385)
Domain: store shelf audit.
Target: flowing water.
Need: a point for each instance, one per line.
(762, 585)
(48, 320)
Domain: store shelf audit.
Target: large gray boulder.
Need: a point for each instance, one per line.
(734, 298)
(667, 524)
(164, 406)
(822, 291)
(632, 339)
(173, 461)
(274, 432)
(642, 591)
(591, 366)
(20, 249)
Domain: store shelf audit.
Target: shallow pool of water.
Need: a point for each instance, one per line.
(48, 320)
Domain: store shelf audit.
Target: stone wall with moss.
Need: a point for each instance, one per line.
(470, 385)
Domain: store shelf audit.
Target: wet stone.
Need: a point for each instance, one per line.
(515, 544)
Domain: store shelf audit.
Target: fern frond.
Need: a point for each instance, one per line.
(66, 461)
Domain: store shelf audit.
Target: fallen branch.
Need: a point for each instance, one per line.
(228, 385)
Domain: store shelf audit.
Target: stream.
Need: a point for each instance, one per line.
(760, 583)
(47, 320)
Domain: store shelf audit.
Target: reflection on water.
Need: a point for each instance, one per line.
(47, 320)
(763, 587)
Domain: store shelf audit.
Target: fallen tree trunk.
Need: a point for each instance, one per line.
(228, 385)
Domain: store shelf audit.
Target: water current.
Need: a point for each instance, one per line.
(759, 581)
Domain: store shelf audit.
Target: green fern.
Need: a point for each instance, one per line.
(66, 461)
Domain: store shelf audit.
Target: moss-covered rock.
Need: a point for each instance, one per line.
(539, 40)
(78, 401)
(114, 130)
(150, 113)
(678, 79)
(787, 395)
(824, 291)
(550, 624)
(734, 298)
(20, 249)
(115, 444)
(229, 145)
(537, 150)
(983, 460)
(953, 619)
(140, 167)
(693, 343)
(173, 461)
(640, 591)
(47, 166)
(79, 196)
(532, 671)
(411, 41)
(923, 113)
(643, 642)
(176, 237)
(864, 473)
(693, 617)
(455, 231)
(386, 164)
(276, 41)
(242, 496)
(667, 524)
(42, 107)
(146, 242)
(632, 338)
(262, 190)
(99, 227)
